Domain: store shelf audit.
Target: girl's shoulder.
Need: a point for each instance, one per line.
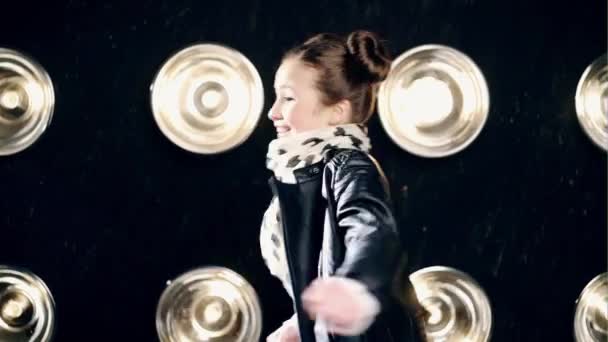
(354, 162)
(347, 157)
(340, 156)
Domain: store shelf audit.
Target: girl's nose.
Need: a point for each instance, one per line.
(273, 114)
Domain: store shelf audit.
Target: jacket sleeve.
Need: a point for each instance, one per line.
(364, 215)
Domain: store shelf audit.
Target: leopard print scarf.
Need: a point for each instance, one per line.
(293, 152)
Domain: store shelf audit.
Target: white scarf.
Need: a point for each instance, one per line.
(287, 154)
(300, 150)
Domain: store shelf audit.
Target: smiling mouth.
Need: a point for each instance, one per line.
(282, 130)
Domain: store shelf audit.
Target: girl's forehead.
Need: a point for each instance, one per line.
(292, 73)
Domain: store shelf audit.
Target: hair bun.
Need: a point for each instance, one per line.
(371, 53)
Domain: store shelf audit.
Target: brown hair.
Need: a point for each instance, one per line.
(348, 69)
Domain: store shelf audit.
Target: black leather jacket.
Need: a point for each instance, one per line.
(347, 195)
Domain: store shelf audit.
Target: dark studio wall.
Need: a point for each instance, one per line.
(105, 209)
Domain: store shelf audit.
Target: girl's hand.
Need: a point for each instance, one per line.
(343, 303)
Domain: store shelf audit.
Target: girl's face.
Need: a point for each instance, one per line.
(298, 106)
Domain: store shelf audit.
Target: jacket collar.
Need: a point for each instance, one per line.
(310, 172)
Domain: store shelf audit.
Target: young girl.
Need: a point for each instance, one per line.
(329, 233)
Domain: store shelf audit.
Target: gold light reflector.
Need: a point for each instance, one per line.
(27, 100)
(459, 308)
(591, 317)
(27, 309)
(592, 102)
(207, 98)
(211, 304)
(434, 102)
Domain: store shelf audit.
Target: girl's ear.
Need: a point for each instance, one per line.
(341, 113)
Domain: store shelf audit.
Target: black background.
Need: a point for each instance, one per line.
(105, 209)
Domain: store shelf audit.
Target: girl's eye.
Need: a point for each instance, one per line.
(288, 98)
